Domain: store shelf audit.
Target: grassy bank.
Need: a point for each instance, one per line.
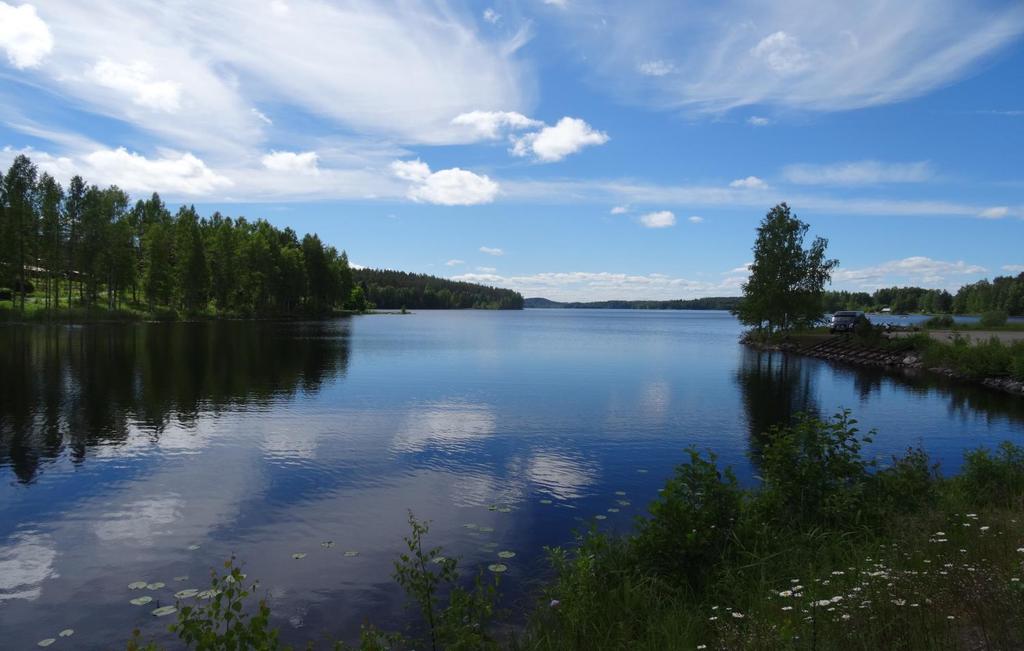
(36, 312)
(833, 550)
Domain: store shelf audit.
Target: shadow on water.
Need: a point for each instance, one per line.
(71, 388)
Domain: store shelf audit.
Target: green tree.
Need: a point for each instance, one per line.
(191, 271)
(74, 206)
(51, 198)
(17, 195)
(787, 282)
(158, 282)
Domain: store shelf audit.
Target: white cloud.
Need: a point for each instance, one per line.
(292, 162)
(828, 55)
(915, 270)
(489, 250)
(743, 269)
(552, 144)
(749, 183)
(454, 262)
(995, 212)
(136, 81)
(191, 76)
(597, 286)
(782, 53)
(450, 187)
(758, 121)
(262, 117)
(491, 16)
(1013, 268)
(656, 68)
(556, 3)
(620, 210)
(487, 270)
(172, 173)
(659, 219)
(491, 124)
(866, 172)
(24, 36)
(695, 219)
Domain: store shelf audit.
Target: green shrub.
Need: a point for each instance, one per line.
(813, 471)
(997, 479)
(691, 522)
(942, 321)
(909, 484)
(994, 318)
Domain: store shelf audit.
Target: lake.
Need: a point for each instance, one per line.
(149, 452)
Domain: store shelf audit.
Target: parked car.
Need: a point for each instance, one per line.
(845, 321)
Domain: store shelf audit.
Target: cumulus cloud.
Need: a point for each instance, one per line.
(659, 219)
(695, 219)
(620, 210)
(292, 162)
(492, 124)
(137, 82)
(454, 262)
(656, 68)
(552, 144)
(450, 187)
(866, 172)
(828, 55)
(24, 36)
(175, 173)
(995, 212)
(749, 183)
(915, 270)
(491, 16)
(490, 250)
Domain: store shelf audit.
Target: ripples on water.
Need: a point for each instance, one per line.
(153, 451)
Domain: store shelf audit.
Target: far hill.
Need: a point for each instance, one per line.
(709, 303)
(393, 290)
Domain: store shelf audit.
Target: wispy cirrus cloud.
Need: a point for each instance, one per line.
(914, 270)
(598, 286)
(866, 172)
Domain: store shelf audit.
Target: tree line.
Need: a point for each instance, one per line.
(83, 246)
(1001, 294)
(393, 290)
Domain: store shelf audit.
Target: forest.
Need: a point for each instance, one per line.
(86, 247)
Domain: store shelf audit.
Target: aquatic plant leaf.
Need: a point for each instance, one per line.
(504, 509)
(165, 610)
(613, 510)
(181, 578)
(497, 567)
(486, 529)
(622, 493)
(136, 585)
(506, 554)
(141, 601)
(327, 544)
(208, 594)
(47, 642)
(546, 501)
(67, 632)
(155, 585)
(186, 594)
(600, 517)
(623, 502)
(192, 548)
(469, 525)
(438, 560)
(298, 556)
(351, 553)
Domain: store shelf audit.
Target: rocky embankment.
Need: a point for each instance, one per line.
(847, 350)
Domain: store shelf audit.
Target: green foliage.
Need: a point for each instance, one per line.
(993, 318)
(424, 575)
(691, 522)
(989, 358)
(391, 290)
(940, 322)
(994, 479)
(785, 289)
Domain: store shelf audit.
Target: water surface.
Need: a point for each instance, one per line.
(146, 452)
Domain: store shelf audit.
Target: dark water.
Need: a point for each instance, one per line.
(123, 446)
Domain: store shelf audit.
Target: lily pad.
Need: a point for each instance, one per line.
(47, 642)
(165, 610)
(486, 529)
(504, 509)
(181, 578)
(506, 554)
(137, 585)
(498, 567)
(141, 601)
(327, 544)
(613, 510)
(546, 501)
(208, 594)
(67, 632)
(469, 525)
(155, 585)
(192, 548)
(623, 502)
(492, 507)
(438, 560)
(351, 553)
(622, 493)
(186, 594)
(298, 556)
(600, 517)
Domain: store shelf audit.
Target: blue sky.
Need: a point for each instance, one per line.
(568, 149)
